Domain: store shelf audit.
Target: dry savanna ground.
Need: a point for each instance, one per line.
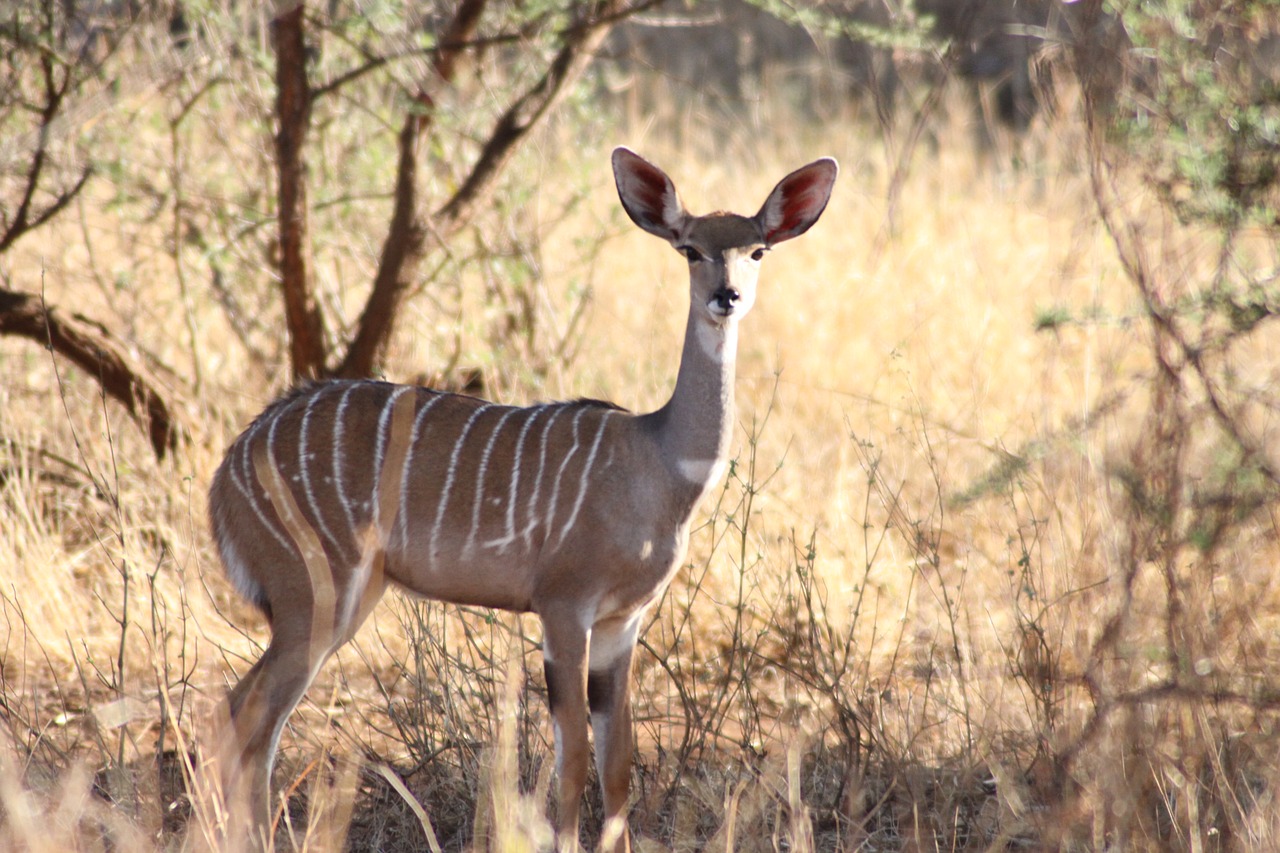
(928, 609)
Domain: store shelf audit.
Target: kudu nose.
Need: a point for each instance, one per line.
(725, 298)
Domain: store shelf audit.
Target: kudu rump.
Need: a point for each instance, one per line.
(578, 511)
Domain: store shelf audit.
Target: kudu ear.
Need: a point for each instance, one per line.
(647, 194)
(797, 201)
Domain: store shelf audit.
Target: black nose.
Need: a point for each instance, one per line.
(725, 298)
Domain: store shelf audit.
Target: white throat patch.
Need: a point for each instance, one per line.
(719, 342)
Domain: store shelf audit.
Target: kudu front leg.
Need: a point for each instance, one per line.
(609, 698)
(564, 660)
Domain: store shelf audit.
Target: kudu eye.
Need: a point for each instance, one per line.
(758, 254)
(692, 254)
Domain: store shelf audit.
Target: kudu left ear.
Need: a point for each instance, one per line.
(797, 201)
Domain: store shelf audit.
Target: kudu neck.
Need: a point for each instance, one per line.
(697, 422)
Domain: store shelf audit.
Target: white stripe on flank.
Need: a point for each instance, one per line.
(586, 473)
(477, 504)
(244, 482)
(304, 467)
(338, 428)
(564, 463)
(380, 447)
(510, 536)
(271, 458)
(285, 508)
(450, 475)
(244, 479)
(402, 523)
(532, 516)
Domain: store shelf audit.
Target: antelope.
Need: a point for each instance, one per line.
(576, 511)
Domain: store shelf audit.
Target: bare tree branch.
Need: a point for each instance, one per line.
(580, 43)
(51, 105)
(406, 242)
(403, 249)
(84, 344)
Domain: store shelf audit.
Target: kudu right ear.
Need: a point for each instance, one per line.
(647, 195)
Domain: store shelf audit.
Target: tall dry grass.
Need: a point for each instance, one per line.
(929, 609)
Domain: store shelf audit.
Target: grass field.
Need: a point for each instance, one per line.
(956, 592)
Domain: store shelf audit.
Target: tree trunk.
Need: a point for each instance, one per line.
(401, 254)
(293, 113)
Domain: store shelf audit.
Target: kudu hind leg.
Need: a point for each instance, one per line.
(258, 708)
(261, 703)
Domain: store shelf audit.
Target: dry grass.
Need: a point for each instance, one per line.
(926, 611)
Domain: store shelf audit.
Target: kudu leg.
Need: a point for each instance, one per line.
(259, 706)
(261, 703)
(564, 657)
(609, 698)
